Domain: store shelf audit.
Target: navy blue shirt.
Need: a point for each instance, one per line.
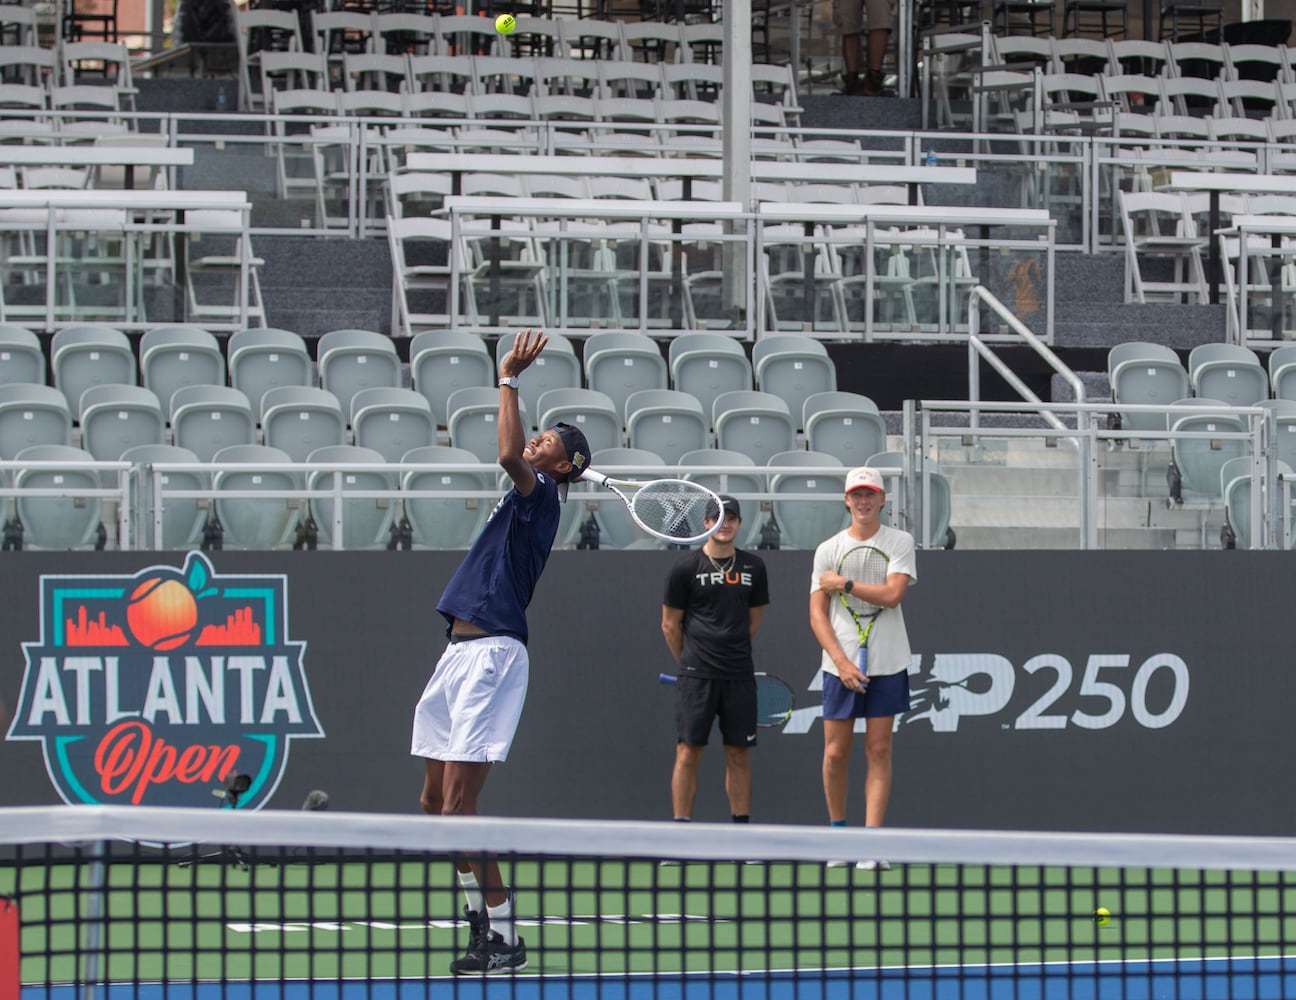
(493, 585)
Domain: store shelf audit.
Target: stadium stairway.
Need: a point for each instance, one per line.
(312, 286)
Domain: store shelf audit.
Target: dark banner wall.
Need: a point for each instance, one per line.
(1052, 690)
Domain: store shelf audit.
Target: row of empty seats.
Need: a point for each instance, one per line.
(624, 389)
(1142, 372)
(1118, 57)
(521, 110)
(387, 508)
(1217, 378)
(1171, 231)
(277, 520)
(515, 76)
(335, 34)
(918, 276)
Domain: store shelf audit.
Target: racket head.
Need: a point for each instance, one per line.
(775, 700)
(674, 510)
(863, 564)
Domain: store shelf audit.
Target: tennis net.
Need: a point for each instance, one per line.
(358, 906)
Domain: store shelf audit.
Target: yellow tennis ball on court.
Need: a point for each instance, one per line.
(505, 24)
(1102, 916)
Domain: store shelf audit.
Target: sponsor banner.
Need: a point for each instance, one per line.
(1125, 691)
(156, 687)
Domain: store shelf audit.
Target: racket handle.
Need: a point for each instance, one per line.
(666, 678)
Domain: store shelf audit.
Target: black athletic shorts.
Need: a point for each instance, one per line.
(700, 700)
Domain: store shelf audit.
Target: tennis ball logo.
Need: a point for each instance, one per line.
(161, 613)
(505, 24)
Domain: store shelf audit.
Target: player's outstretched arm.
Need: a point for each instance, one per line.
(511, 435)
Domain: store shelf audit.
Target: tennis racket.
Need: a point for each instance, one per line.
(774, 699)
(670, 509)
(863, 564)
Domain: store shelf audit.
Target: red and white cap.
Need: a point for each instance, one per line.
(864, 478)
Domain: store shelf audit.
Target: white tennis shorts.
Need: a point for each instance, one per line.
(472, 703)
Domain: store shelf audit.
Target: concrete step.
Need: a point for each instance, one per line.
(1098, 324)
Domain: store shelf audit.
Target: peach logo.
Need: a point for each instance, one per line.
(154, 688)
(162, 613)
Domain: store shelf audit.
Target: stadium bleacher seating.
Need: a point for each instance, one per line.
(1181, 103)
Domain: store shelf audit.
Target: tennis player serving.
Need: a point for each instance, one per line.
(468, 714)
(860, 576)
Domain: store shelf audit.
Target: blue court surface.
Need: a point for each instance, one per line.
(1213, 979)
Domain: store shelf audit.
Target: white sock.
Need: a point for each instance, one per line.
(501, 921)
(472, 891)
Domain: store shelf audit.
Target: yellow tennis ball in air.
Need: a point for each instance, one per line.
(505, 24)
(1102, 916)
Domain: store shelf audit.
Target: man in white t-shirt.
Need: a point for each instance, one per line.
(847, 693)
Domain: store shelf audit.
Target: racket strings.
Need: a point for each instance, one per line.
(774, 701)
(672, 507)
(867, 567)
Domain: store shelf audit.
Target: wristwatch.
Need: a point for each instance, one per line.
(510, 381)
(850, 585)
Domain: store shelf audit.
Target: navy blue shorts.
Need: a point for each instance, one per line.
(882, 696)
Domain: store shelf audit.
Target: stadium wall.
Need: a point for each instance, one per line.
(1119, 691)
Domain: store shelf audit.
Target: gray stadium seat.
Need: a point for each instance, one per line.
(83, 356)
(175, 356)
(618, 363)
(473, 421)
(116, 418)
(1195, 464)
(1227, 372)
(556, 368)
(758, 424)
(444, 523)
(1284, 411)
(941, 534)
(351, 360)
(590, 410)
(265, 358)
(392, 421)
(442, 361)
(32, 414)
(666, 422)
(182, 518)
(64, 522)
(300, 419)
(844, 424)
(803, 524)
(733, 473)
(1282, 372)
(794, 368)
(255, 522)
(1235, 487)
(207, 418)
(1145, 374)
(366, 521)
(21, 357)
(707, 364)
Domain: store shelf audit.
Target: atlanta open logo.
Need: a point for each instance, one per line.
(153, 689)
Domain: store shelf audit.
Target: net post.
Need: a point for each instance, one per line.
(10, 972)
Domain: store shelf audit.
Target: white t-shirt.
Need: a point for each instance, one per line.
(888, 645)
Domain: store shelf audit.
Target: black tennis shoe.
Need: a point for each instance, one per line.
(478, 926)
(492, 957)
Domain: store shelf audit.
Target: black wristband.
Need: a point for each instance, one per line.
(850, 585)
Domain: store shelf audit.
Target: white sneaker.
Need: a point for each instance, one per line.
(873, 866)
(837, 864)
